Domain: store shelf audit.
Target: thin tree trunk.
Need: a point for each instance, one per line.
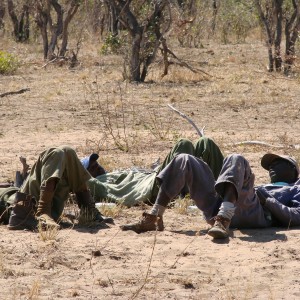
(292, 29)
(42, 18)
(2, 13)
(56, 29)
(69, 15)
(269, 39)
(278, 35)
(214, 17)
(21, 27)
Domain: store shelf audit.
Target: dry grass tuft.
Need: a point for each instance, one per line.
(34, 291)
(86, 217)
(181, 206)
(111, 209)
(48, 233)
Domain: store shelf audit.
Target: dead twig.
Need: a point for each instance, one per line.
(14, 92)
(199, 131)
(148, 269)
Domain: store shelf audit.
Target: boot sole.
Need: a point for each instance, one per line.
(218, 234)
(21, 227)
(127, 228)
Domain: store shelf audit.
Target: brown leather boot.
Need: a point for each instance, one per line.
(220, 230)
(44, 209)
(147, 223)
(88, 211)
(22, 214)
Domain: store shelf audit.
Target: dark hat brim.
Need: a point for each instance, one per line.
(268, 158)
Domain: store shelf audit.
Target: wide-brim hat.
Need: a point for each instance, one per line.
(268, 158)
(86, 160)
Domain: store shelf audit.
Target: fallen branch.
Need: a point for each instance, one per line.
(165, 50)
(49, 62)
(265, 144)
(15, 92)
(200, 132)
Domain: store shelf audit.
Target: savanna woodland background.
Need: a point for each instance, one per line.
(98, 76)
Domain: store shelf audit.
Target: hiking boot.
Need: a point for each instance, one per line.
(22, 213)
(88, 211)
(147, 223)
(220, 230)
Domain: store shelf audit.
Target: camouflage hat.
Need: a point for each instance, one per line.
(268, 158)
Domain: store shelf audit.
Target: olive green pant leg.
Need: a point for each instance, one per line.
(74, 177)
(61, 163)
(210, 152)
(182, 146)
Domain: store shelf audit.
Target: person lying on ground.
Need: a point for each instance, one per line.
(134, 186)
(130, 189)
(43, 195)
(231, 200)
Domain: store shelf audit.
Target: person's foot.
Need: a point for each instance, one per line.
(16, 223)
(100, 218)
(147, 223)
(220, 230)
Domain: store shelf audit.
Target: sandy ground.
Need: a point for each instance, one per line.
(88, 108)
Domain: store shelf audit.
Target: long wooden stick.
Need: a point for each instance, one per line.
(15, 92)
(266, 144)
(199, 131)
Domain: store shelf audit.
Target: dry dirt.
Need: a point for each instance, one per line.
(237, 101)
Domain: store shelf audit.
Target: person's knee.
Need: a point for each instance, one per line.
(182, 157)
(67, 152)
(234, 157)
(66, 149)
(184, 142)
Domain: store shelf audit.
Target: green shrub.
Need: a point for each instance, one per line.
(112, 44)
(8, 63)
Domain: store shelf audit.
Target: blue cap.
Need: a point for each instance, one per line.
(86, 160)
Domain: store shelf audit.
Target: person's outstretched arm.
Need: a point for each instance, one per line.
(288, 216)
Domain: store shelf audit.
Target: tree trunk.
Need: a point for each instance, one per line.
(269, 39)
(2, 13)
(145, 35)
(135, 72)
(41, 19)
(21, 27)
(56, 29)
(278, 34)
(292, 29)
(72, 9)
(215, 7)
